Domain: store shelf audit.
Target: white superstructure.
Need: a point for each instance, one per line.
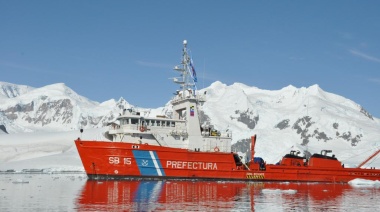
(183, 129)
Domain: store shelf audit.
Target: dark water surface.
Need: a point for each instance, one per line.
(73, 192)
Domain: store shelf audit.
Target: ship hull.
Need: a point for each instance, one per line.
(118, 160)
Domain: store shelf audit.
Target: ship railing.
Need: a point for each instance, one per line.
(217, 148)
(178, 98)
(123, 128)
(219, 134)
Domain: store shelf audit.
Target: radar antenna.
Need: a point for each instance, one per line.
(188, 77)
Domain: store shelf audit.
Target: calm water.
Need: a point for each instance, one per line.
(72, 192)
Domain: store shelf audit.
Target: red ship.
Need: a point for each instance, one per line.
(178, 146)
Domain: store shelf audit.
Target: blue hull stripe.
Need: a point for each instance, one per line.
(148, 163)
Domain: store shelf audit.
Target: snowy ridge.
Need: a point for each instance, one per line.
(53, 108)
(307, 119)
(8, 90)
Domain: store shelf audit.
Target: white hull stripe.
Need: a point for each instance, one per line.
(155, 163)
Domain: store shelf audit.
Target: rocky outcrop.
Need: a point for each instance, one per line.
(3, 129)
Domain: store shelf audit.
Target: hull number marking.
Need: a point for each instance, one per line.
(116, 160)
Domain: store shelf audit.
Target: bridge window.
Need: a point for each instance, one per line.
(134, 121)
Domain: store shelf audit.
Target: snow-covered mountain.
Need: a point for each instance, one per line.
(311, 113)
(52, 108)
(308, 119)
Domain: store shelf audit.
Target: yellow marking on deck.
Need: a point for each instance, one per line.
(256, 176)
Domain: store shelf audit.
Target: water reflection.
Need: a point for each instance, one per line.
(73, 192)
(158, 195)
(224, 196)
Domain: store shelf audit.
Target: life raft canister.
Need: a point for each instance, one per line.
(216, 149)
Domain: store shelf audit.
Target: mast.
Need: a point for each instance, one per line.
(187, 79)
(185, 102)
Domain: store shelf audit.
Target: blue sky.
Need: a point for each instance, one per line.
(113, 49)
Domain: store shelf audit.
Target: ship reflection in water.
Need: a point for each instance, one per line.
(224, 196)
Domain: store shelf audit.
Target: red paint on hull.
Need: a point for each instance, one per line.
(117, 160)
